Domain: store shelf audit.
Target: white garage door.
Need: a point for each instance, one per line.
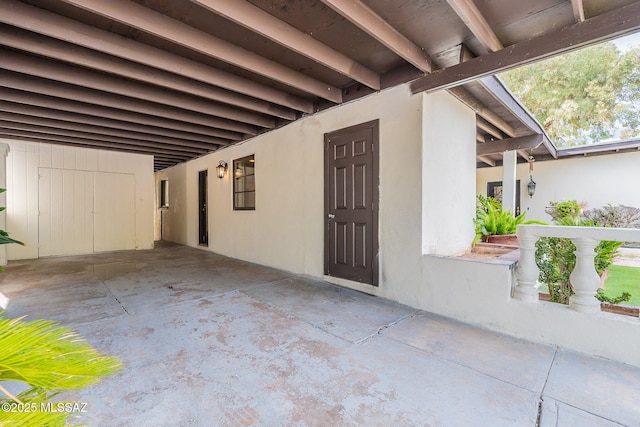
(114, 212)
(83, 212)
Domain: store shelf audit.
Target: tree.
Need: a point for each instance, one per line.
(583, 97)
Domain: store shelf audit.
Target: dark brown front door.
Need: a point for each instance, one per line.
(351, 203)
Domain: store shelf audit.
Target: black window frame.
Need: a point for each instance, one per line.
(491, 192)
(241, 177)
(164, 194)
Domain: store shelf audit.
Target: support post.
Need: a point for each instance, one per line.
(509, 161)
(527, 270)
(584, 278)
(4, 152)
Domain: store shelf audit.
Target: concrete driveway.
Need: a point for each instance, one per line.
(208, 340)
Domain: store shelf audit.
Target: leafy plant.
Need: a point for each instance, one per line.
(614, 216)
(50, 359)
(4, 236)
(492, 219)
(556, 257)
(600, 295)
(562, 210)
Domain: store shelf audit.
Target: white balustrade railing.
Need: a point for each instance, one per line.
(584, 278)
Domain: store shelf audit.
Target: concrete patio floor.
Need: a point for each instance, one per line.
(209, 340)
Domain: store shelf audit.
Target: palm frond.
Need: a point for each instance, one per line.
(46, 355)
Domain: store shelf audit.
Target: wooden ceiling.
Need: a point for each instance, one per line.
(181, 78)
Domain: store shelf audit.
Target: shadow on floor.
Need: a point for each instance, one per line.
(209, 340)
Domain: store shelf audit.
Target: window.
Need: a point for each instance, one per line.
(164, 193)
(244, 184)
(494, 189)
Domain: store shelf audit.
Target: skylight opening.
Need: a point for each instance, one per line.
(586, 97)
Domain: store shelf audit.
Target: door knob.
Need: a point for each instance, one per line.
(331, 216)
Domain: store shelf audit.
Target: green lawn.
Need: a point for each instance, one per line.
(622, 279)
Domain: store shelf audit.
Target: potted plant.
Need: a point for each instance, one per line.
(565, 209)
(496, 225)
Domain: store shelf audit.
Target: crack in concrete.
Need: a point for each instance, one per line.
(546, 379)
(383, 327)
(114, 296)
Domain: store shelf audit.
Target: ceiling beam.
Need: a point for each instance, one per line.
(488, 128)
(40, 21)
(257, 20)
(170, 128)
(149, 21)
(65, 140)
(496, 87)
(158, 159)
(523, 154)
(101, 130)
(52, 70)
(578, 10)
(486, 160)
(61, 51)
(91, 136)
(54, 114)
(609, 25)
(475, 21)
(373, 24)
(67, 91)
(48, 139)
(468, 99)
(528, 142)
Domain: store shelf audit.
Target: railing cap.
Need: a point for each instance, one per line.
(573, 232)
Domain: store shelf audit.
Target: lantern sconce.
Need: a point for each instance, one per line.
(531, 186)
(221, 169)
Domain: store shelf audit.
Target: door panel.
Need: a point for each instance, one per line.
(351, 187)
(65, 203)
(114, 225)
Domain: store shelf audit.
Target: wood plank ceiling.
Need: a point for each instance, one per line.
(181, 78)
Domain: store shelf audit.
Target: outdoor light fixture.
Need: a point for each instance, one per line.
(221, 169)
(531, 186)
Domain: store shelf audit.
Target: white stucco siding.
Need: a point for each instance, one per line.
(595, 180)
(172, 219)
(74, 175)
(287, 228)
(448, 177)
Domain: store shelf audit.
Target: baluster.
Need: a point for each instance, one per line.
(584, 278)
(527, 270)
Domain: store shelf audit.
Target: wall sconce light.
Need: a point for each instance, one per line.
(531, 186)
(221, 169)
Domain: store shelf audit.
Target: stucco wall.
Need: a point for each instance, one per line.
(596, 180)
(448, 177)
(23, 163)
(480, 293)
(287, 228)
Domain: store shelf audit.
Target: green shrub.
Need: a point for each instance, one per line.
(492, 220)
(556, 256)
